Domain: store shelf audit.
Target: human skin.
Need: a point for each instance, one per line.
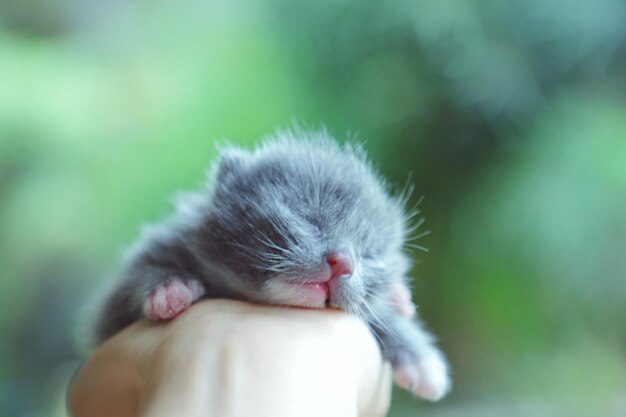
(228, 358)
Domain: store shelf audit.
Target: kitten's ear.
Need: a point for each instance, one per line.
(230, 162)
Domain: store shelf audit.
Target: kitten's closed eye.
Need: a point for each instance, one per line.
(371, 254)
(317, 230)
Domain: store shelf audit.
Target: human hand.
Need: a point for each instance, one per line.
(228, 358)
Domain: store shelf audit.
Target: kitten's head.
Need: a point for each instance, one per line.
(303, 221)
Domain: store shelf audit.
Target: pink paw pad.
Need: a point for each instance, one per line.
(171, 298)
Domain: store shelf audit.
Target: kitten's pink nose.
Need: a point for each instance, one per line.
(340, 263)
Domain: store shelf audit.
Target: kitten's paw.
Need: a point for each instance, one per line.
(171, 298)
(427, 377)
(400, 298)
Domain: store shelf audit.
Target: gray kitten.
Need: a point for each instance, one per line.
(300, 221)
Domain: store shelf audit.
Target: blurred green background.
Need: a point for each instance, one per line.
(509, 115)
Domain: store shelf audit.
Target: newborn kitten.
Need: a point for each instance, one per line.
(300, 221)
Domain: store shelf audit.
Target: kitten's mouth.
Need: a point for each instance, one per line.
(313, 294)
(318, 290)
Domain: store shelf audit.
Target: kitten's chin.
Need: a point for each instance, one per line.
(310, 295)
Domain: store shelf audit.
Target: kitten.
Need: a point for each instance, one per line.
(300, 221)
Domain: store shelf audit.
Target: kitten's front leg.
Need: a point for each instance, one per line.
(171, 297)
(418, 365)
(158, 293)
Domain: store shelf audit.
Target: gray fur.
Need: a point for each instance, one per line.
(271, 214)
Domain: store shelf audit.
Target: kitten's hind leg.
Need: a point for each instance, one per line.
(171, 297)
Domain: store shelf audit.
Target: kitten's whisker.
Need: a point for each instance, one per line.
(406, 193)
(420, 235)
(377, 321)
(361, 316)
(418, 247)
(416, 226)
(378, 297)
